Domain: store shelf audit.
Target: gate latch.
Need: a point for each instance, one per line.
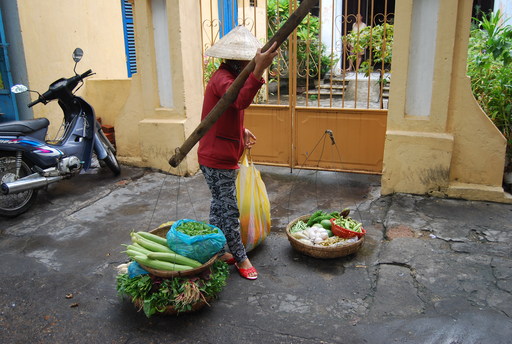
(328, 131)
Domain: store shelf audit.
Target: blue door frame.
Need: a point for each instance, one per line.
(8, 107)
(228, 15)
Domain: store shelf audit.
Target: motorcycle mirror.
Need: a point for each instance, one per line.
(19, 88)
(77, 54)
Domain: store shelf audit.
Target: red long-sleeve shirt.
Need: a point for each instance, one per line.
(222, 146)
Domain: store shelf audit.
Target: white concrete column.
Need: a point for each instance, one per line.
(422, 42)
(162, 52)
(331, 14)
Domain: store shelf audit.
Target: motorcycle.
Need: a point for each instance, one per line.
(29, 162)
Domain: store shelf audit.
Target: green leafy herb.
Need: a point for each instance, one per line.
(156, 294)
(193, 228)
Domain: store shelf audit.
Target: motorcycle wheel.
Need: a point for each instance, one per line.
(110, 160)
(14, 204)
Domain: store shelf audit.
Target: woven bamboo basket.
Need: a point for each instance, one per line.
(162, 231)
(324, 252)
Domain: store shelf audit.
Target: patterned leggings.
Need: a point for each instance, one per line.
(224, 208)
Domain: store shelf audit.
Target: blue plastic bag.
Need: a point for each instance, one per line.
(198, 247)
(134, 269)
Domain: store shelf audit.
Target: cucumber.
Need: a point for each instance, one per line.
(153, 237)
(159, 264)
(133, 253)
(137, 248)
(149, 244)
(174, 258)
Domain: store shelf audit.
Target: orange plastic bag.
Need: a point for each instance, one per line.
(253, 204)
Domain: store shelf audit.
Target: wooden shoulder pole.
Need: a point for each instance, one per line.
(229, 97)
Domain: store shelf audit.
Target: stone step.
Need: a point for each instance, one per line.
(327, 93)
(385, 92)
(333, 87)
(336, 80)
(339, 86)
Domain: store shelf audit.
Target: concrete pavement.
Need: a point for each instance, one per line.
(431, 270)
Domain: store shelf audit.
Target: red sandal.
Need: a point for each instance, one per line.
(229, 261)
(245, 273)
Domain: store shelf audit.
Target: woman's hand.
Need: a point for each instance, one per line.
(263, 60)
(249, 139)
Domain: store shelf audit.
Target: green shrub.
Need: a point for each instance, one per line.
(210, 66)
(379, 40)
(311, 53)
(489, 67)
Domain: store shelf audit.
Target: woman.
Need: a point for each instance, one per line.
(222, 146)
(356, 29)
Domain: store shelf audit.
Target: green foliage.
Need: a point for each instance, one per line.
(378, 39)
(179, 292)
(278, 8)
(311, 53)
(489, 67)
(193, 228)
(210, 65)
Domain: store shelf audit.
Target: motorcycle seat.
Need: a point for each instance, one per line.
(23, 127)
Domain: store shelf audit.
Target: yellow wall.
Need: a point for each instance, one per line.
(454, 150)
(149, 133)
(52, 29)
(108, 98)
(146, 133)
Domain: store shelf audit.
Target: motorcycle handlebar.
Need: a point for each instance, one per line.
(74, 80)
(69, 84)
(38, 100)
(86, 74)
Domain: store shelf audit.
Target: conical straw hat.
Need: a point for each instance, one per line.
(238, 44)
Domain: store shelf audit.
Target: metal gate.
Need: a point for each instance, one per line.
(324, 105)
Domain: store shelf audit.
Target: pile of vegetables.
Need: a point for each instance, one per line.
(349, 223)
(318, 228)
(154, 294)
(152, 251)
(196, 240)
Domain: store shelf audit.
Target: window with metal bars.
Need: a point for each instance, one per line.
(129, 37)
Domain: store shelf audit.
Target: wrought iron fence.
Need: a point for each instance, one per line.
(339, 56)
